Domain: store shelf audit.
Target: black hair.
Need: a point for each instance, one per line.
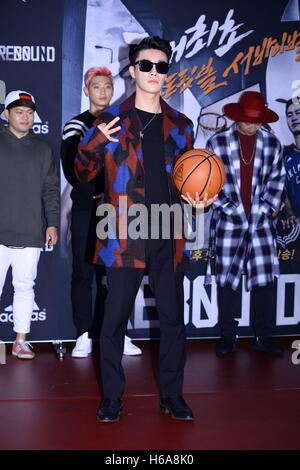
(26, 103)
(288, 103)
(150, 42)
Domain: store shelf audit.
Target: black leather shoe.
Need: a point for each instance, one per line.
(110, 410)
(177, 408)
(268, 345)
(225, 346)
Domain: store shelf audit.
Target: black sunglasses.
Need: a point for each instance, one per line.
(146, 66)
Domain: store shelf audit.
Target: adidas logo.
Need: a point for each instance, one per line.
(39, 127)
(37, 314)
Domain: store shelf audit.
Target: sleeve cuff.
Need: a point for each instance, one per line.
(98, 137)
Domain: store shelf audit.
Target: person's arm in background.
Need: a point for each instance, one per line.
(65, 219)
(71, 136)
(220, 200)
(291, 218)
(50, 198)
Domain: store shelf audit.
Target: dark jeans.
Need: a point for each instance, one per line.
(83, 228)
(123, 285)
(263, 305)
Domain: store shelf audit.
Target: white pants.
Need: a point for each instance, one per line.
(24, 263)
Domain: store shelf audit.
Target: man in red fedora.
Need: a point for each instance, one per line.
(242, 233)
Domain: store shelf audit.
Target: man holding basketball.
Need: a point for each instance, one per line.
(242, 233)
(98, 87)
(137, 143)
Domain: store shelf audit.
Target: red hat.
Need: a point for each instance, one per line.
(250, 108)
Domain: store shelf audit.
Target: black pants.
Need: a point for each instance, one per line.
(123, 285)
(83, 228)
(263, 306)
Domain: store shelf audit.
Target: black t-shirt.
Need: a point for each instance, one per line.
(156, 183)
(156, 180)
(82, 193)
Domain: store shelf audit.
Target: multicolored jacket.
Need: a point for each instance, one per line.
(122, 162)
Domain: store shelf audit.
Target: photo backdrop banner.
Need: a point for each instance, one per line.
(220, 50)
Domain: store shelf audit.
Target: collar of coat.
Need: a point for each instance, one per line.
(129, 104)
(173, 122)
(259, 167)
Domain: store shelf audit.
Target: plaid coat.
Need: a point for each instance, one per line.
(242, 246)
(124, 175)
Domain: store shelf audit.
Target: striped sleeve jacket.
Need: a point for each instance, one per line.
(124, 176)
(73, 132)
(241, 245)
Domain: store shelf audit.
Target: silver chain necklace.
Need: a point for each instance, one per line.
(241, 153)
(149, 122)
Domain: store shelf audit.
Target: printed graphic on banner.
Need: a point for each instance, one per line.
(30, 60)
(38, 315)
(10, 53)
(219, 51)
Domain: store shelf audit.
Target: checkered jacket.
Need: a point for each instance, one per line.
(124, 175)
(242, 246)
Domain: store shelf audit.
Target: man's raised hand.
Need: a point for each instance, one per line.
(109, 129)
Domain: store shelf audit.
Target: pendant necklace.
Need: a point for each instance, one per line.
(149, 122)
(242, 156)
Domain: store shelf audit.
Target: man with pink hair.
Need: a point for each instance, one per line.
(98, 87)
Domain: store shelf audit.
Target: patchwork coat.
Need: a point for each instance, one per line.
(122, 163)
(240, 245)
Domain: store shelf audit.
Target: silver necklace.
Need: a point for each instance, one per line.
(242, 156)
(149, 122)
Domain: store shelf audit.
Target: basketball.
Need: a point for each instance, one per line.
(199, 170)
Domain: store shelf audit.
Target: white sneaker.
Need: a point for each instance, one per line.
(83, 346)
(131, 349)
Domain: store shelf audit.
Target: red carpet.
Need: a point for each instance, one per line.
(249, 401)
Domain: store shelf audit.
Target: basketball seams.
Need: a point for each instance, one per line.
(208, 177)
(207, 180)
(192, 171)
(192, 156)
(213, 174)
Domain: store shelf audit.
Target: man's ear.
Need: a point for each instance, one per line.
(6, 113)
(132, 71)
(86, 91)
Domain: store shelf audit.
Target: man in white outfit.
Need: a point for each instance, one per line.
(28, 185)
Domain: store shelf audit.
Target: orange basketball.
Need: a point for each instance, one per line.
(199, 170)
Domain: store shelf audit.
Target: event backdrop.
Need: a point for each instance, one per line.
(220, 49)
